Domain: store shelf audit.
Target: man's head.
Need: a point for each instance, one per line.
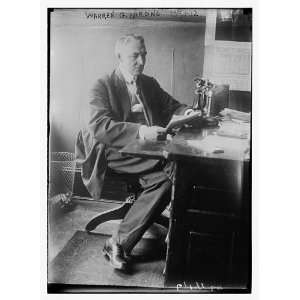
(131, 53)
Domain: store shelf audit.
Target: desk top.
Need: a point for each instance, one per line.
(205, 143)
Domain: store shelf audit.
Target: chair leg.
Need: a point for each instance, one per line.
(119, 213)
(113, 214)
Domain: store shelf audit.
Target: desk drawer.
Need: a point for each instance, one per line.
(206, 221)
(215, 200)
(220, 175)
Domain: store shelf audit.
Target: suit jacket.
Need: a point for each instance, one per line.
(110, 108)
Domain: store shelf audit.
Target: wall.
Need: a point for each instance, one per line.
(228, 62)
(80, 52)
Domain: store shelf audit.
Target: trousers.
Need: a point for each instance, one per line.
(155, 178)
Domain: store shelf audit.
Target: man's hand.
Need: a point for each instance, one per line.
(150, 133)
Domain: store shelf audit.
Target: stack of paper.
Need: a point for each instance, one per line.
(235, 114)
(234, 129)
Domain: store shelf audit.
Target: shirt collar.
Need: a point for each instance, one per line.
(127, 76)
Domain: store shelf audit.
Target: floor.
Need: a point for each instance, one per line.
(62, 224)
(81, 262)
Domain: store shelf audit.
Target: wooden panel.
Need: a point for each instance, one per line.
(209, 258)
(216, 200)
(223, 174)
(209, 222)
(203, 246)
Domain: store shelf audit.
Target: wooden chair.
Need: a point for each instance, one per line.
(66, 175)
(119, 213)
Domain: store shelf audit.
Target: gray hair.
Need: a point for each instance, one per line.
(124, 40)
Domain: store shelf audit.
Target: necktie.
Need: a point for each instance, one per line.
(135, 96)
(137, 107)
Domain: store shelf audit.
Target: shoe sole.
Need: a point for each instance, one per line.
(107, 256)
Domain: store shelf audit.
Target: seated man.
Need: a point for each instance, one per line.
(128, 105)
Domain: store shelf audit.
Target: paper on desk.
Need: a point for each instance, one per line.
(234, 129)
(235, 114)
(213, 142)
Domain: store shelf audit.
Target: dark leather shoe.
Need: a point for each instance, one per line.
(115, 254)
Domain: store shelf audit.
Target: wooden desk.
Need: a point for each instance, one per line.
(209, 233)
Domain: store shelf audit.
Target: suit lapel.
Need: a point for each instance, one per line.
(122, 96)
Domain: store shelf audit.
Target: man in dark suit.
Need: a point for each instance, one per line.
(128, 105)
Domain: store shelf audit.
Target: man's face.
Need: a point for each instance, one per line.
(133, 57)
